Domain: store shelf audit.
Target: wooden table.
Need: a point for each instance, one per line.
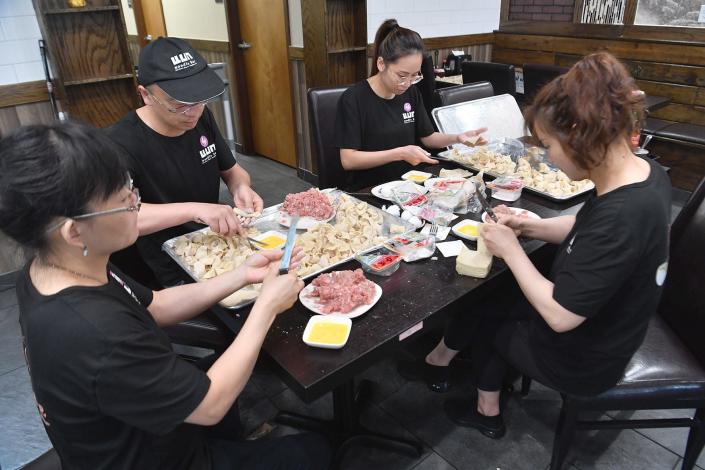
(416, 297)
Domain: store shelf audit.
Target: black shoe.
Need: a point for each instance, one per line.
(436, 377)
(464, 413)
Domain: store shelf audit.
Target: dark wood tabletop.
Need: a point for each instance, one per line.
(414, 298)
(654, 103)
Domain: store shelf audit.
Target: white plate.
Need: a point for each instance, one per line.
(316, 319)
(456, 229)
(517, 211)
(311, 303)
(429, 183)
(269, 233)
(421, 175)
(304, 223)
(384, 191)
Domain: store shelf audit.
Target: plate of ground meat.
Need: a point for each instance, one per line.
(347, 293)
(313, 207)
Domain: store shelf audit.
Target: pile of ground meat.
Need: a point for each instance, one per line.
(311, 203)
(342, 291)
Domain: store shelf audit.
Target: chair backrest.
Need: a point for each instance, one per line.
(683, 301)
(428, 85)
(462, 93)
(537, 75)
(501, 76)
(322, 110)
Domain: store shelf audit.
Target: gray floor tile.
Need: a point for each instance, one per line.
(673, 439)
(384, 379)
(321, 408)
(8, 298)
(11, 356)
(254, 415)
(266, 381)
(626, 449)
(23, 437)
(421, 410)
(434, 462)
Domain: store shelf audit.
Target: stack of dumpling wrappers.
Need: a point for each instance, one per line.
(474, 263)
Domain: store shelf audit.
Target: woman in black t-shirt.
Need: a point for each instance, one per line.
(380, 119)
(110, 390)
(576, 330)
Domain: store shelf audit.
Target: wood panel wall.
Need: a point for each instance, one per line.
(665, 68)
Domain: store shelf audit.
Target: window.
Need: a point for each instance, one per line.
(670, 13)
(603, 12)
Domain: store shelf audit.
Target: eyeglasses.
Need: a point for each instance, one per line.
(410, 79)
(183, 109)
(134, 207)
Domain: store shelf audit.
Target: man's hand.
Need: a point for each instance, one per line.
(247, 200)
(219, 217)
(414, 155)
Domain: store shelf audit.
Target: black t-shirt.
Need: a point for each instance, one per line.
(111, 392)
(370, 123)
(172, 169)
(610, 270)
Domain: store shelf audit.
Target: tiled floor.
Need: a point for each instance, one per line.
(396, 406)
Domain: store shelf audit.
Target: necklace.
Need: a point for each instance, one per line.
(58, 267)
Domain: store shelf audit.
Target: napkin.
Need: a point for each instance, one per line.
(440, 235)
(449, 249)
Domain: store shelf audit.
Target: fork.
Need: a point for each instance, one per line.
(433, 231)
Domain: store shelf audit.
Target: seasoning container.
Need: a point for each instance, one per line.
(380, 261)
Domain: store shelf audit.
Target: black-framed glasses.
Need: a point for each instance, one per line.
(183, 108)
(134, 207)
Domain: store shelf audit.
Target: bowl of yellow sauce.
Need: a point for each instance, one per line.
(416, 176)
(272, 240)
(467, 229)
(327, 331)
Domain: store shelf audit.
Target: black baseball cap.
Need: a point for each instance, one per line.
(179, 70)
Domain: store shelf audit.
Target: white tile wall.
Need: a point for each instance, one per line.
(435, 18)
(20, 60)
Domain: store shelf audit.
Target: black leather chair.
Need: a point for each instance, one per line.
(322, 110)
(501, 76)
(427, 86)
(49, 460)
(692, 134)
(462, 93)
(537, 75)
(668, 370)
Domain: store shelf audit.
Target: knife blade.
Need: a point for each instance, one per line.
(289, 246)
(486, 206)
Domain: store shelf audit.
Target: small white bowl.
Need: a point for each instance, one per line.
(416, 176)
(327, 319)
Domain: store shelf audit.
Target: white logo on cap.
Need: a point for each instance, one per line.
(183, 61)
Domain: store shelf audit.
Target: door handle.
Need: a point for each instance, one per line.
(148, 38)
(244, 45)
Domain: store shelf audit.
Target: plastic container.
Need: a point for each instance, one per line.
(413, 246)
(506, 188)
(381, 261)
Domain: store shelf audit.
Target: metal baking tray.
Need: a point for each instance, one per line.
(446, 155)
(269, 221)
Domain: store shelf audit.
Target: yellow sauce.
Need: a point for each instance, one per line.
(272, 242)
(328, 333)
(469, 230)
(417, 177)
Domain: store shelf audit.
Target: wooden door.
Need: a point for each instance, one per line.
(149, 18)
(263, 25)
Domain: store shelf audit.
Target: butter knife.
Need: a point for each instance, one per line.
(289, 247)
(486, 206)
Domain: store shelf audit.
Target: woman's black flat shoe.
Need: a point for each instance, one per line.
(436, 377)
(464, 413)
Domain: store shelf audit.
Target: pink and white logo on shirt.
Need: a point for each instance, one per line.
(407, 107)
(204, 141)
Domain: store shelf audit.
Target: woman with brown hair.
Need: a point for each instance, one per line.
(576, 330)
(381, 119)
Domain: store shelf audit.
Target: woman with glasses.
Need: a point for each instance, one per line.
(109, 388)
(381, 119)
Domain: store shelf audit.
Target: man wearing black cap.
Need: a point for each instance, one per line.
(178, 155)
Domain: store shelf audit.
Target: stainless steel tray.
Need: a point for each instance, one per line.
(269, 221)
(446, 155)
